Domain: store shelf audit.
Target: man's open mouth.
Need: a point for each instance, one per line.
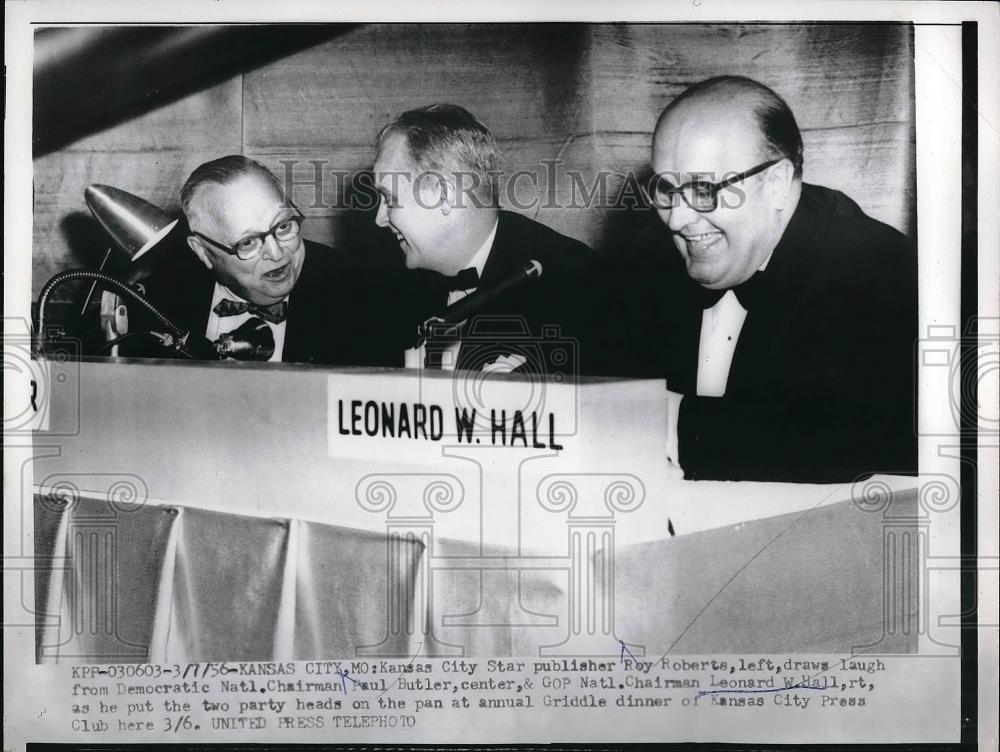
(276, 275)
(700, 243)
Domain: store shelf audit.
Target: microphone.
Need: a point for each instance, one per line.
(449, 319)
(251, 341)
(190, 345)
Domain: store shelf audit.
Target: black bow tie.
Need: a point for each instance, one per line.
(464, 280)
(274, 313)
(749, 293)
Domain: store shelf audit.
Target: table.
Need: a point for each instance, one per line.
(197, 512)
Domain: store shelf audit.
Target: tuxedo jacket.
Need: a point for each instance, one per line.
(822, 382)
(335, 311)
(542, 319)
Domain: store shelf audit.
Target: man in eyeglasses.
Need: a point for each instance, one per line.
(783, 317)
(253, 267)
(249, 237)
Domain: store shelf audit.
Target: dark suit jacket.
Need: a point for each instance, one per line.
(822, 383)
(542, 318)
(335, 311)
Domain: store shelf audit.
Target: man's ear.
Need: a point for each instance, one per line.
(199, 250)
(448, 194)
(779, 183)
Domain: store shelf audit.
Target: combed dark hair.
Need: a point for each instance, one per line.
(778, 129)
(223, 171)
(448, 137)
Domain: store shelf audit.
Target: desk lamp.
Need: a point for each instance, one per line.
(135, 225)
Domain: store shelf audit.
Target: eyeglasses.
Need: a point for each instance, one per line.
(250, 247)
(700, 195)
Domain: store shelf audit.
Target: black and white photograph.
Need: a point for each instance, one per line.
(501, 377)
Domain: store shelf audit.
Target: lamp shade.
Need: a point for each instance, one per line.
(135, 224)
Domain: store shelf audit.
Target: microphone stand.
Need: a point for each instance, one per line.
(451, 318)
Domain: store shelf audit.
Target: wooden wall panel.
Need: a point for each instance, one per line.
(522, 80)
(870, 164)
(545, 191)
(830, 75)
(206, 121)
(149, 156)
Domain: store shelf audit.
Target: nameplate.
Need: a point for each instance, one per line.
(411, 415)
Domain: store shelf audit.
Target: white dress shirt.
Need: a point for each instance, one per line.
(219, 325)
(720, 330)
(414, 357)
(721, 326)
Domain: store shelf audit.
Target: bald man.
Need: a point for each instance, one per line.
(783, 317)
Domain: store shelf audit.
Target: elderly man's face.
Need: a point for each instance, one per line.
(413, 206)
(708, 141)
(229, 213)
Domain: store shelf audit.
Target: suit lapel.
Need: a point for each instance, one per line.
(683, 339)
(786, 287)
(495, 269)
(501, 262)
(194, 305)
(314, 297)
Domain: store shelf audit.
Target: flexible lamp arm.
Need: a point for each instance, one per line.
(105, 280)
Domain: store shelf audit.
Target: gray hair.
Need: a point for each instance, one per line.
(446, 136)
(224, 171)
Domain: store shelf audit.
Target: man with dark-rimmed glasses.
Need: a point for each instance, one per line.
(783, 317)
(253, 267)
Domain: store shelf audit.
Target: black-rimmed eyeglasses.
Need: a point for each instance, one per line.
(250, 247)
(700, 195)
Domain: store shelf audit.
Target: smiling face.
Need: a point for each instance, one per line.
(415, 208)
(705, 139)
(229, 213)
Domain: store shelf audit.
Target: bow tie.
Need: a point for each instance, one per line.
(274, 313)
(749, 293)
(464, 280)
